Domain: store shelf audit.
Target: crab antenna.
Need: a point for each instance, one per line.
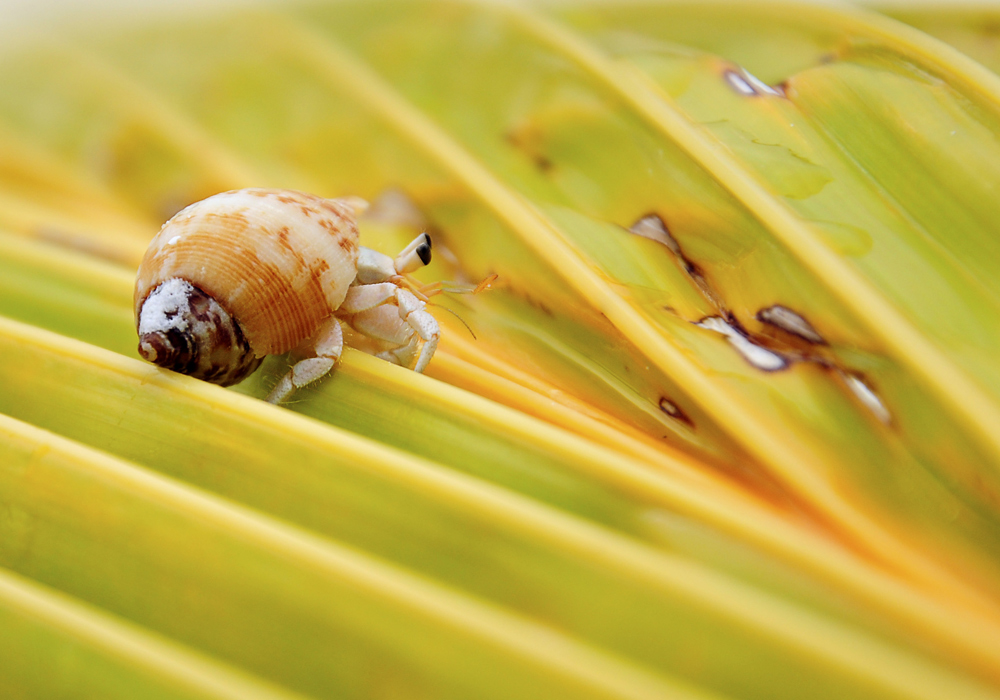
(415, 255)
(467, 326)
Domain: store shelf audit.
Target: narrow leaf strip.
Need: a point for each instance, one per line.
(64, 648)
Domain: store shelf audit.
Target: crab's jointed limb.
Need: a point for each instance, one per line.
(378, 306)
(327, 345)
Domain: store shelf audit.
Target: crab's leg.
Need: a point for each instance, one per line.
(362, 297)
(424, 325)
(384, 323)
(402, 355)
(327, 345)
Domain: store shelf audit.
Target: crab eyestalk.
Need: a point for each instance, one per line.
(414, 256)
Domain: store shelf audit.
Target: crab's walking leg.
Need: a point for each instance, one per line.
(402, 325)
(327, 344)
(402, 355)
(423, 324)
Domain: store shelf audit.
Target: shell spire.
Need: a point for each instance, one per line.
(183, 329)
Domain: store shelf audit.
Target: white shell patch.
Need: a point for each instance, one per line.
(162, 311)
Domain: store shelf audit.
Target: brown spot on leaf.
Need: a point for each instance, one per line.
(785, 339)
(747, 84)
(526, 140)
(863, 390)
(542, 163)
(790, 322)
(653, 227)
(674, 411)
(756, 354)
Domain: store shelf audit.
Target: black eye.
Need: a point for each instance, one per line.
(424, 250)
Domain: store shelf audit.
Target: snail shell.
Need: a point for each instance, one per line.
(263, 268)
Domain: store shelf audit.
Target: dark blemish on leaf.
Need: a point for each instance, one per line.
(862, 389)
(536, 303)
(745, 83)
(538, 159)
(766, 352)
(791, 322)
(653, 227)
(739, 83)
(674, 411)
(757, 355)
(989, 28)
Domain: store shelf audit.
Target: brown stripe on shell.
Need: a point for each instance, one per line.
(281, 261)
(340, 225)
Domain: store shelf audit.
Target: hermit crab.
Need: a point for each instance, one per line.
(255, 272)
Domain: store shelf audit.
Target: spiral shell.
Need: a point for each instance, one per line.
(278, 261)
